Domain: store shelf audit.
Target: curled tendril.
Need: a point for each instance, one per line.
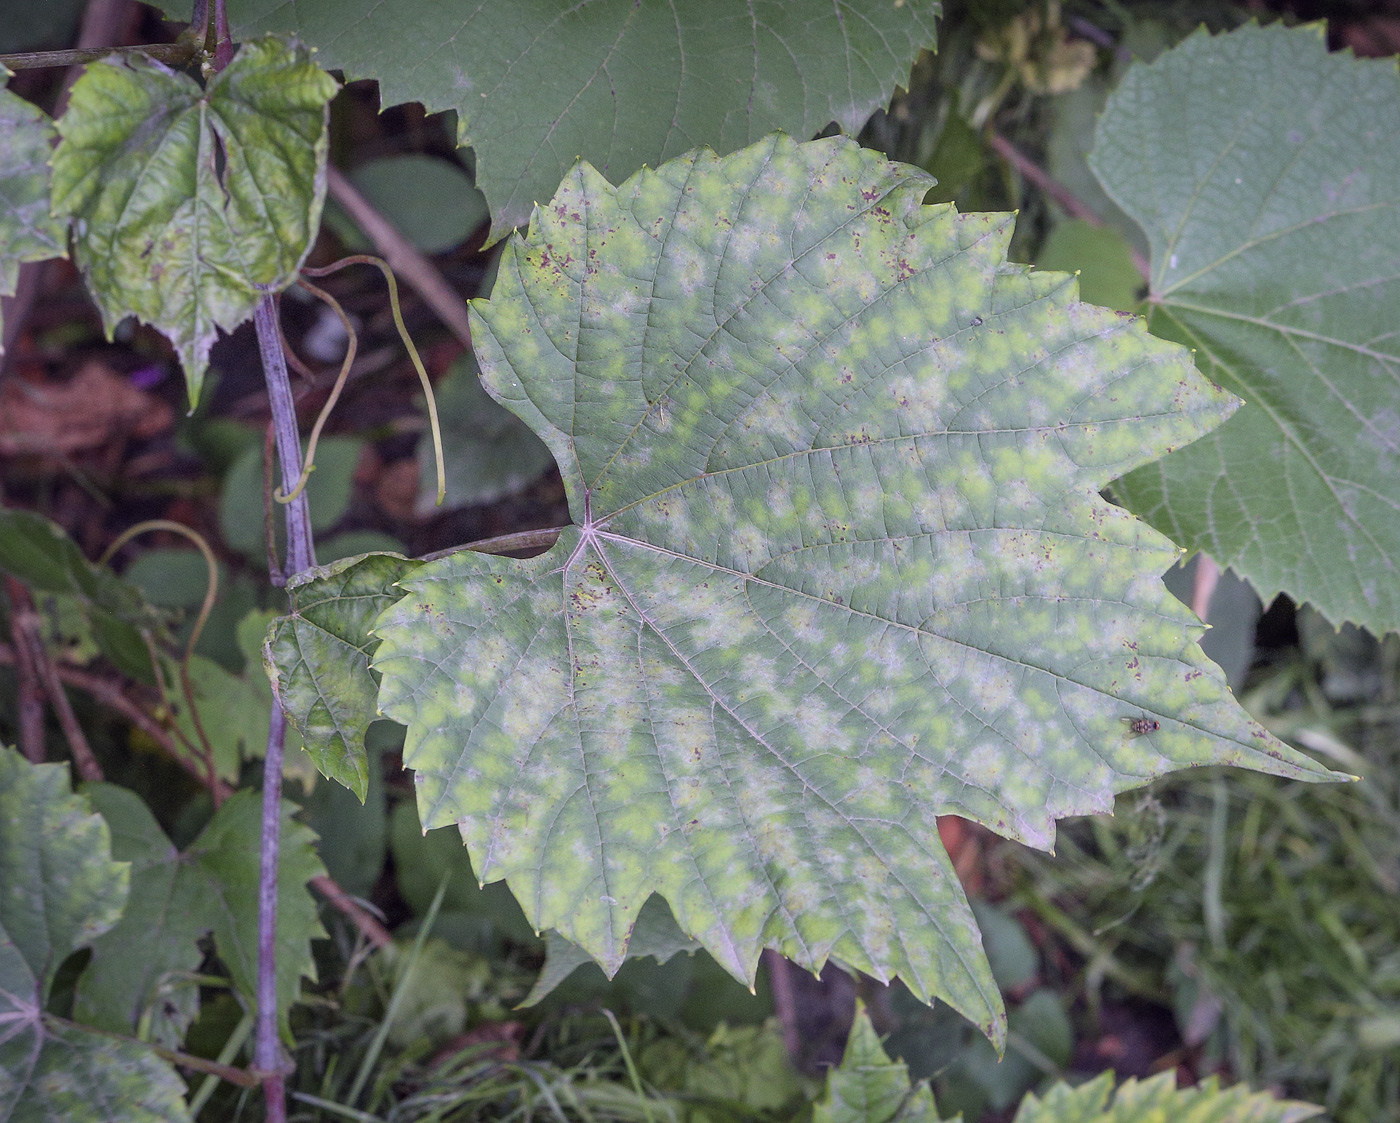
(211, 593)
(309, 463)
(382, 266)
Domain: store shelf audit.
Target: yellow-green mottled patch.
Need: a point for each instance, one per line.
(863, 576)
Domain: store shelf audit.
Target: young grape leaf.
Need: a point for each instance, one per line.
(868, 1087)
(1158, 1098)
(1274, 223)
(318, 659)
(537, 85)
(60, 891)
(178, 897)
(27, 232)
(190, 202)
(840, 565)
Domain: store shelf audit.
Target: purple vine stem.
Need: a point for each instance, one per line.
(267, 1046)
(267, 1051)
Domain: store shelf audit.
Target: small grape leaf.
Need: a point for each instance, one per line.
(178, 897)
(1274, 224)
(27, 232)
(537, 85)
(59, 891)
(840, 565)
(1157, 1100)
(868, 1087)
(318, 659)
(190, 201)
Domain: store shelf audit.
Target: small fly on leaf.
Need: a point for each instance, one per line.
(1141, 724)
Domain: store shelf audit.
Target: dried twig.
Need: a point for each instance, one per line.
(1203, 585)
(784, 1002)
(31, 690)
(368, 925)
(1068, 201)
(28, 633)
(115, 695)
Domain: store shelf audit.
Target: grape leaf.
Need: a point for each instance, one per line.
(178, 897)
(538, 85)
(188, 200)
(868, 1087)
(318, 659)
(60, 891)
(27, 232)
(840, 565)
(1274, 223)
(1157, 1100)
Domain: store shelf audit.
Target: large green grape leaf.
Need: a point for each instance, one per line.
(59, 891)
(135, 978)
(537, 84)
(1266, 175)
(840, 565)
(1158, 1100)
(27, 232)
(188, 200)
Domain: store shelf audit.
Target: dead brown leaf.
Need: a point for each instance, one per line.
(88, 411)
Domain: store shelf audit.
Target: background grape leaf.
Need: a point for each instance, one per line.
(868, 1087)
(1274, 224)
(1158, 1098)
(187, 199)
(59, 891)
(27, 232)
(178, 897)
(840, 565)
(537, 85)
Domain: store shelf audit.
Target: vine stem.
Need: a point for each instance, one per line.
(179, 53)
(1069, 202)
(267, 1051)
